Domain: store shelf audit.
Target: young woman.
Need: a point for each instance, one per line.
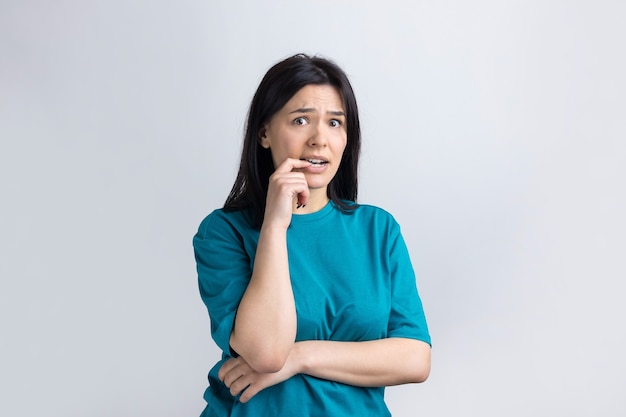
(312, 297)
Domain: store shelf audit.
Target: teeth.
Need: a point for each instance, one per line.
(316, 161)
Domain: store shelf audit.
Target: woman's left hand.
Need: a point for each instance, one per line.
(237, 375)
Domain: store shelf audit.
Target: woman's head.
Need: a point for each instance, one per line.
(282, 82)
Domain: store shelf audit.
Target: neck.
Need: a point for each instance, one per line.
(317, 201)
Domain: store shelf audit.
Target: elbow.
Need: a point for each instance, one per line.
(422, 374)
(419, 370)
(265, 360)
(268, 364)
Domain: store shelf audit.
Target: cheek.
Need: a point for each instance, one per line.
(276, 157)
(341, 146)
(280, 153)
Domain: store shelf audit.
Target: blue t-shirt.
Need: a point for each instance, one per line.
(352, 280)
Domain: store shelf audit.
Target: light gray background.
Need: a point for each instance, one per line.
(493, 130)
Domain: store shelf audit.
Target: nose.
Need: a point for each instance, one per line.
(318, 136)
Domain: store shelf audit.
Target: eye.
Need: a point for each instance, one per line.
(335, 123)
(300, 121)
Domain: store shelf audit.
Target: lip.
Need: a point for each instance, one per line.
(314, 157)
(314, 168)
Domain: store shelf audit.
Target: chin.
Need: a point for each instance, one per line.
(317, 183)
(317, 187)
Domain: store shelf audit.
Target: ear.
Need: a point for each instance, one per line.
(263, 139)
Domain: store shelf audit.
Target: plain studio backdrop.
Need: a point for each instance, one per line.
(494, 131)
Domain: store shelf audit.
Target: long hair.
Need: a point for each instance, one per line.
(278, 86)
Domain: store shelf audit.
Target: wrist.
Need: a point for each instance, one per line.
(300, 357)
(274, 228)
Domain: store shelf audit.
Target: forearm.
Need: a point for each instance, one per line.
(373, 363)
(265, 325)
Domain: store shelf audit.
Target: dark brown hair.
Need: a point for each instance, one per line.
(278, 86)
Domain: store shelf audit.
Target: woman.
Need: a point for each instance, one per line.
(312, 297)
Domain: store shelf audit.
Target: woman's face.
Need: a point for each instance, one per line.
(310, 126)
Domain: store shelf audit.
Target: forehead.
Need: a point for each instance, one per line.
(316, 96)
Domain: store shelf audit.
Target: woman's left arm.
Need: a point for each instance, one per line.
(374, 363)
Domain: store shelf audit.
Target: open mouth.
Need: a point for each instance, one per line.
(318, 162)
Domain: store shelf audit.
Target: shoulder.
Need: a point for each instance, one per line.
(220, 221)
(374, 217)
(374, 212)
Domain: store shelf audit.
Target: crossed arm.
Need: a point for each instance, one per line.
(265, 325)
(265, 329)
(383, 362)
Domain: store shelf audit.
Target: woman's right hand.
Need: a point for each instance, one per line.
(242, 379)
(285, 185)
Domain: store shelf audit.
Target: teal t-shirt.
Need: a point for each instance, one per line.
(352, 280)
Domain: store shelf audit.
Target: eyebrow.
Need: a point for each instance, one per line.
(312, 110)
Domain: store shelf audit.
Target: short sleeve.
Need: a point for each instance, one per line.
(223, 273)
(407, 318)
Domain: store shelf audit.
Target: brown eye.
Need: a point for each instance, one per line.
(335, 123)
(300, 121)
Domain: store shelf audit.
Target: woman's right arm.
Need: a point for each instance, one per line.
(265, 325)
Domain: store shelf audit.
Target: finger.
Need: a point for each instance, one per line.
(290, 164)
(303, 197)
(234, 374)
(241, 384)
(292, 184)
(250, 392)
(226, 368)
(290, 178)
